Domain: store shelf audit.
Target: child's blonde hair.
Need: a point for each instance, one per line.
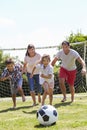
(45, 56)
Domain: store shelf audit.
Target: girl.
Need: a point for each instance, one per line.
(46, 77)
(32, 58)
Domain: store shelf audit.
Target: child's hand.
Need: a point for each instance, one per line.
(42, 75)
(31, 75)
(9, 77)
(5, 78)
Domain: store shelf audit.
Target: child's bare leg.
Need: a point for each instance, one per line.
(39, 97)
(14, 100)
(51, 99)
(45, 86)
(44, 97)
(50, 96)
(20, 90)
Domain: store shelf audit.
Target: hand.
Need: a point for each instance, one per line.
(31, 75)
(83, 72)
(42, 75)
(9, 77)
(5, 78)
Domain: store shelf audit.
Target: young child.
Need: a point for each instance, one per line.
(13, 73)
(46, 77)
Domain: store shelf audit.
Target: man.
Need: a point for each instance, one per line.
(67, 72)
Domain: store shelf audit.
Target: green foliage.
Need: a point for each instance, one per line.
(79, 37)
(3, 57)
(56, 68)
(1, 53)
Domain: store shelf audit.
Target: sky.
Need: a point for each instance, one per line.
(40, 22)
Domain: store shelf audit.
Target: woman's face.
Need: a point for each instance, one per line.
(31, 52)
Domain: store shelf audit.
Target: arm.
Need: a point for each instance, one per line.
(82, 62)
(5, 75)
(5, 78)
(49, 73)
(32, 72)
(46, 76)
(54, 61)
(36, 66)
(24, 68)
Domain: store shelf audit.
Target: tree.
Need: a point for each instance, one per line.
(79, 37)
(3, 57)
(82, 39)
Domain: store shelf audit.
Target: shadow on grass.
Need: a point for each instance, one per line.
(42, 126)
(14, 109)
(62, 104)
(32, 112)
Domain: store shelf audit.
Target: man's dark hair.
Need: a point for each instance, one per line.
(66, 42)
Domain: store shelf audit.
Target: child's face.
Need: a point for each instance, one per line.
(10, 67)
(45, 61)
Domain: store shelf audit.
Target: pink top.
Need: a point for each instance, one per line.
(31, 62)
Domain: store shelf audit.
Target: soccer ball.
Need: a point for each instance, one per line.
(47, 115)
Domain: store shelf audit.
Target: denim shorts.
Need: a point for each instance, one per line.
(14, 87)
(34, 81)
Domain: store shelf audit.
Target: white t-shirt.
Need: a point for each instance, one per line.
(68, 61)
(31, 62)
(45, 71)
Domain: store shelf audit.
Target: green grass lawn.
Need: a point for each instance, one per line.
(71, 116)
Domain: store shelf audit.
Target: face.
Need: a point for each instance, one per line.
(10, 67)
(31, 52)
(45, 61)
(66, 48)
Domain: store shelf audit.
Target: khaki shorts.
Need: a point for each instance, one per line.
(14, 87)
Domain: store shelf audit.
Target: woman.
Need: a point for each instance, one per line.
(32, 58)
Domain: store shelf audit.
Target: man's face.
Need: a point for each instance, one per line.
(66, 48)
